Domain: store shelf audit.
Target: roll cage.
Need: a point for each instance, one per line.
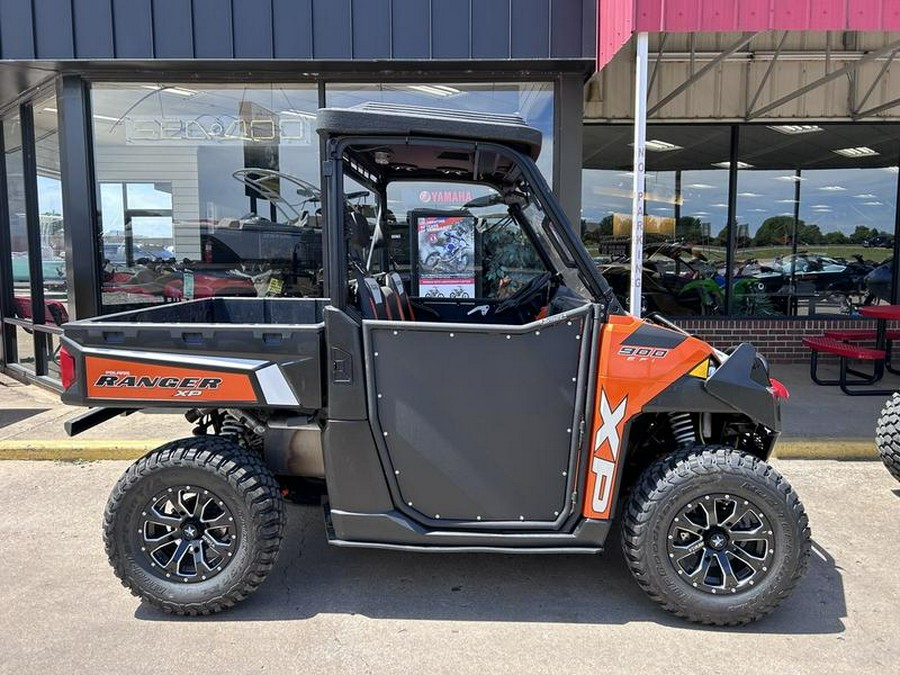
(553, 238)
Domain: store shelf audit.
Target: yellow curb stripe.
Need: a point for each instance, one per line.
(826, 449)
(74, 450)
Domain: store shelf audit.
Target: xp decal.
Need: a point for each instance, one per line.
(606, 452)
(115, 379)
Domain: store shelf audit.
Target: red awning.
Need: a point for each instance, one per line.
(618, 19)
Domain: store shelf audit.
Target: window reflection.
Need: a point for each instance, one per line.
(206, 190)
(813, 228)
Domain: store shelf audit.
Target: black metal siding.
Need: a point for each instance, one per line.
(296, 29)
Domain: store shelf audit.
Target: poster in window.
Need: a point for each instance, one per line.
(446, 256)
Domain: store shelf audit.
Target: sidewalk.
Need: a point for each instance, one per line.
(819, 422)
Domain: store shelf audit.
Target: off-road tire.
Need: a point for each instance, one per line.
(887, 435)
(248, 489)
(671, 484)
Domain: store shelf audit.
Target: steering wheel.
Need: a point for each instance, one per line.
(526, 295)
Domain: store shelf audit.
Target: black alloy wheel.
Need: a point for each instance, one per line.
(721, 544)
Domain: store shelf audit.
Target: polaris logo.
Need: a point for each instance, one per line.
(146, 382)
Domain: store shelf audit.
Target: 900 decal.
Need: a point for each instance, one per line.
(644, 352)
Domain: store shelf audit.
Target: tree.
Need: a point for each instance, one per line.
(606, 225)
(809, 234)
(836, 237)
(690, 230)
(776, 230)
(861, 234)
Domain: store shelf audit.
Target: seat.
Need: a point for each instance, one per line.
(398, 298)
(371, 299)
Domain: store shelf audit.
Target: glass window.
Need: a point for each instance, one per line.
(532, 100)
(50, 211)
(207, 190)
(18, 236)
(686, 207)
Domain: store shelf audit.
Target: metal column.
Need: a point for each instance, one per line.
(637, 186)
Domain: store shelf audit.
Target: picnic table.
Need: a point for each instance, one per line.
(842, 343)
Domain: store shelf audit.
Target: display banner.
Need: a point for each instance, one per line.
(445, 258)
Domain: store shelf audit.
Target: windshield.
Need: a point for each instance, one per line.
(547, 232)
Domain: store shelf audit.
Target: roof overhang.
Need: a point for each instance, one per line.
(617, 20)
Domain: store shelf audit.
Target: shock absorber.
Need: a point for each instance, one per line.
(682, 428)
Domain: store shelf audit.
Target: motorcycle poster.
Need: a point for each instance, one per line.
(445, 262)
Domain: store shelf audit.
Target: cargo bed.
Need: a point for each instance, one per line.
(246, 352)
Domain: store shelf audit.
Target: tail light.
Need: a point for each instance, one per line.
(778, 390)
(66, 368)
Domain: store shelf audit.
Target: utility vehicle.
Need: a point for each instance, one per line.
(522, 420)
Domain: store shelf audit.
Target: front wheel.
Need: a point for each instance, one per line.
(715, 535)
(195, 526)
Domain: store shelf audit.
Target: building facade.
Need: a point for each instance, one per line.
(139, 137)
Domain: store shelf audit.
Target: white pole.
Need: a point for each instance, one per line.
(637, 201)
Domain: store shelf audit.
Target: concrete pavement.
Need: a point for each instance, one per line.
(332, 610)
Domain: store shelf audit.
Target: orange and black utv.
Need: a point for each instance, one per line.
(496, 399)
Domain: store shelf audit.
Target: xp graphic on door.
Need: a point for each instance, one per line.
(524, 417)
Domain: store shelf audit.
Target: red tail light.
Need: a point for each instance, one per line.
(778, 390)
(66, 368)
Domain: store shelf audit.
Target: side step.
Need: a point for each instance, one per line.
(393, 531)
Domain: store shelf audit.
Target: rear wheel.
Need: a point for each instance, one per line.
(715, 535)
(887, 435)
(195, 526)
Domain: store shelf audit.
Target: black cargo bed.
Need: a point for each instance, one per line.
(208, 334)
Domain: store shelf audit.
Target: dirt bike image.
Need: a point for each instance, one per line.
(452, 255)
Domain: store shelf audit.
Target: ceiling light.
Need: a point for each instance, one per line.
(298, 113)
(49, 110)
(873, 203)
(721, 205)
(449, 90)
(861, 151)
(701, 186)
(787, 201)
(181, 91)
(791, 178)
(795, 129)
(749, 194)
(832, 188)
(727, 165)
(433, 90)
(758, 210)
(701, 213)
(660, 146)
(865, 195)
(106, 118)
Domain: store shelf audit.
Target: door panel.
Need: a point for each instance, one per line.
(475, 423)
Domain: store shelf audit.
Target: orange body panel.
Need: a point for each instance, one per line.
(115, 379)
(627, 379)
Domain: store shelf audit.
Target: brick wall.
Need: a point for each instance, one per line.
(779, 340)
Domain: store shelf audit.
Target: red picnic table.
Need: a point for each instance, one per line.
(840, 343)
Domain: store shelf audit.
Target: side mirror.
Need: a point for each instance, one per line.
(483, 201)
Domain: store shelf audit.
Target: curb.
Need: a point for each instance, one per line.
(86, 451)
(844, 449)
(74, 451)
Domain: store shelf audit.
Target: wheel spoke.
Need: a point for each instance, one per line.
(736, 516)
(757, 534)
(166, 538)
(185, 509)
(710, 515)
(175, 561)
(752, 562)
(727, 520)
(154, 517)
(702, 570)
(729, 578)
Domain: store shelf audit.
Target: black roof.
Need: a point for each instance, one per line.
(384, 119)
